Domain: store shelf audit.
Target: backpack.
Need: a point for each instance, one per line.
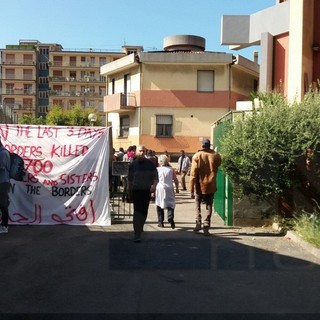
(17, 170)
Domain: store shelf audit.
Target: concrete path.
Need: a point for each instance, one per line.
(65, 272)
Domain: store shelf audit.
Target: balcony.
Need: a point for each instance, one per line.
(18, 106)
(74, 79)
(17, 91)
(61, 93)
(62, 64)
(120, 102)
(19, 62)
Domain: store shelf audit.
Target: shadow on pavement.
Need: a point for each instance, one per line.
(77, 271)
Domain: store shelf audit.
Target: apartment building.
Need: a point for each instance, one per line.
(289, 36)
(168, 100)
(35, 76)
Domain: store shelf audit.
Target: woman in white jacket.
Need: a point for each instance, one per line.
(165, 195)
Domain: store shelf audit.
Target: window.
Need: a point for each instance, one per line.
(27, 59)
(9, 88)
(44, 51)
(164, 125)
(27, 88)
(113, 81)
(205, 81)
(43, 94)
(43, 109)
(27, 74)
(73, 61)
(10, 58)
(10, 74)
(43, 80)
(102, 61)
(43, 66)
(124, 126)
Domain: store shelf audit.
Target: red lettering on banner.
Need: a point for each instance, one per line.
(38, 166)
(24, 131)
(47, 182)
(47, 132)
(68, 150)
(90, 132)
(4, 131)
(86, 132)
(77, 178)
(30, 178)
(37, 218)
(25, 151)
(81, 214)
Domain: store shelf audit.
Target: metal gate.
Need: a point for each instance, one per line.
(223, 198)
(120, 207)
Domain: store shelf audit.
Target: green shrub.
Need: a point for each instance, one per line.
(264, 153)
(307, 225)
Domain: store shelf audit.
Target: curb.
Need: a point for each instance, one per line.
(291, 235)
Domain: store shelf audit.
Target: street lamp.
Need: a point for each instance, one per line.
(92, 117)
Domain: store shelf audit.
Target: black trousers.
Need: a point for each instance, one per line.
(141, 200)
(4, 203)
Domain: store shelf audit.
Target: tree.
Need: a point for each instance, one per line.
(27, 119)
(77, 116)
(57, 116)
(267, 152)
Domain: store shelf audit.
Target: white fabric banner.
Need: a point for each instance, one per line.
(67, 180)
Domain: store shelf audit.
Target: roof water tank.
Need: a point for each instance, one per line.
(184, 43)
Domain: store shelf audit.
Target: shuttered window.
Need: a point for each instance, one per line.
(164, 124)
(205, 80)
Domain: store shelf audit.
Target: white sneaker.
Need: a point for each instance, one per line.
(3, 229)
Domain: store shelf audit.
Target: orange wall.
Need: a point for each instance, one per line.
(280, 75)
(183, 98)
(172, 145)
(316, 40)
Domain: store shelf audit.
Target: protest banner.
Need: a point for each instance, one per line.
(67, 178)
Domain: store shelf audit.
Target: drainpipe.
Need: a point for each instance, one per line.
(234, 59)
(140, 112)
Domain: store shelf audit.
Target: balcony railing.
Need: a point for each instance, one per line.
(19, 62)
(18, 106)
(119, 102)
(18, 76)
(74, 79)
(127, 100)
(60, 64)
(61, 93)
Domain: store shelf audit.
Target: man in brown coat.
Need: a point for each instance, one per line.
(203, 177)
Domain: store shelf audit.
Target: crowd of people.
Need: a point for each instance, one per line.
(152, 178)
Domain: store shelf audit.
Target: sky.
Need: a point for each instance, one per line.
(109, 24)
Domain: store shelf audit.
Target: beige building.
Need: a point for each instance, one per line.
(168, 100)
(35, 76)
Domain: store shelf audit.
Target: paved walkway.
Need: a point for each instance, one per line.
(92, 272)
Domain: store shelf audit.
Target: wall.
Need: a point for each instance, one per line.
(186, 120)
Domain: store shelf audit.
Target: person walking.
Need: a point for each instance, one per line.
(142, 181)
(184, 165)
(165, 195)
(203, 175)
(4, 187)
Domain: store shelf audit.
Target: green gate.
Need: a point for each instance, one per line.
(223, 198)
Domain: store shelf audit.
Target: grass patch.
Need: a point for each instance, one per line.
(307, 225)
